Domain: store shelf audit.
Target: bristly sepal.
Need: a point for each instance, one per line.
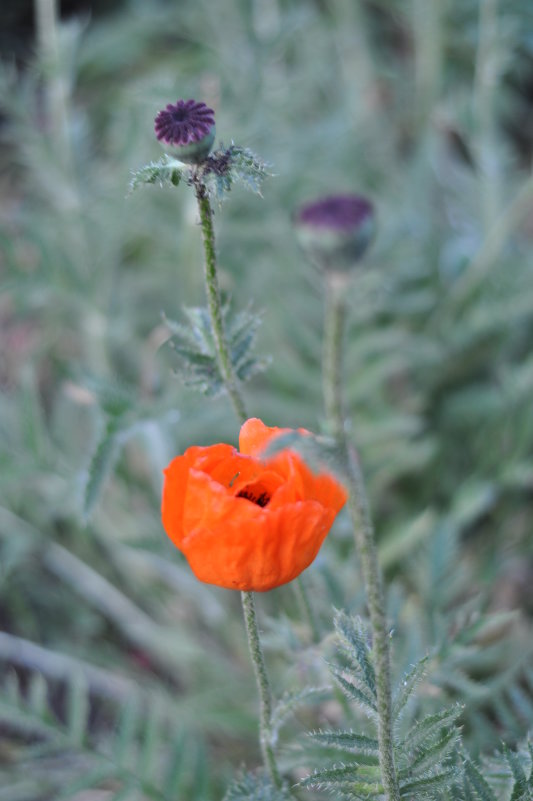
(219, 172)
(229, 166)
(167, 171)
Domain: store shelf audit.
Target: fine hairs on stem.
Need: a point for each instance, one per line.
(263, 686)
(214, 302)
(363, 529)
(230, 381)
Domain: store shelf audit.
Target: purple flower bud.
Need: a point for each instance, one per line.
(188, 128)
(336, 230)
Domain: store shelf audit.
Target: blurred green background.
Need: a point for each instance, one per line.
(123, 676)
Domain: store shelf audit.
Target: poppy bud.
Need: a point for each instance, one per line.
(336, 230)
(188, 129)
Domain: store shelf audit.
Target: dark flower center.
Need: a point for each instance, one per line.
(261, 499)
(179, 114)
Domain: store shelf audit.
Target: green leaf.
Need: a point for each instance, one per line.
(175, 766)
(88, 780)
(287, 705)
(113, 398)
(478, 782)
(127, 732)
(407, 687)
(431, 725)
(38, 695)
(429, 785)
(78, 709)
(520, 787)
(256, 787)
(101, 464)
(327, 778)
(348, 741)
(432, 755)
(354, 692)
(167, 171)
(353, 638)
(152, 736)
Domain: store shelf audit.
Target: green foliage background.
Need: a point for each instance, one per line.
(121, 671)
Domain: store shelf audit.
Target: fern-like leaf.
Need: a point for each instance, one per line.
(477, 782)
(352, 690)
(434, 753)
(287, 705)
(428, 786)
(350, 741)
(330, 778)
(194, 343)
(520, 791)
(407, 686)
(167, 171)
(255, 787)
(431, 725)
(353, 641)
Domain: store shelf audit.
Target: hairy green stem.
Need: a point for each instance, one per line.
(256, 652)
(232, 387)
(363, 528)
(335, 312)
(214, 302)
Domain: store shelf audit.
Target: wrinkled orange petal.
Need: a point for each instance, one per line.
(254, 436)
(175, 486)
(246, 522)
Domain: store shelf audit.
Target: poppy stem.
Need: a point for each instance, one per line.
(233, 390)
(214, 302)
(263, 685)
(359, 508)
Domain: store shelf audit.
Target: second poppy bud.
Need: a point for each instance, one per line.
(336, 230)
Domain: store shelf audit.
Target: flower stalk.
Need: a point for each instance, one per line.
(230, 381)
(358, 505)
(214, 302)
(263, 685)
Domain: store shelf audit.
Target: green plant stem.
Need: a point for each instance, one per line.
(230, 381)
(214, 303)
(335, 312)
(258, 660)
(362, 523)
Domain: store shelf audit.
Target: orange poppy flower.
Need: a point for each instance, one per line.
(245, 522)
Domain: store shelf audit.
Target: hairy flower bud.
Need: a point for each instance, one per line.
(188, 129)
(336, 230)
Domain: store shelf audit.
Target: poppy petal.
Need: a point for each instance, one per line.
(243, 522)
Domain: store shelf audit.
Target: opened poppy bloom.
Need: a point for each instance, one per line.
(245, 521)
